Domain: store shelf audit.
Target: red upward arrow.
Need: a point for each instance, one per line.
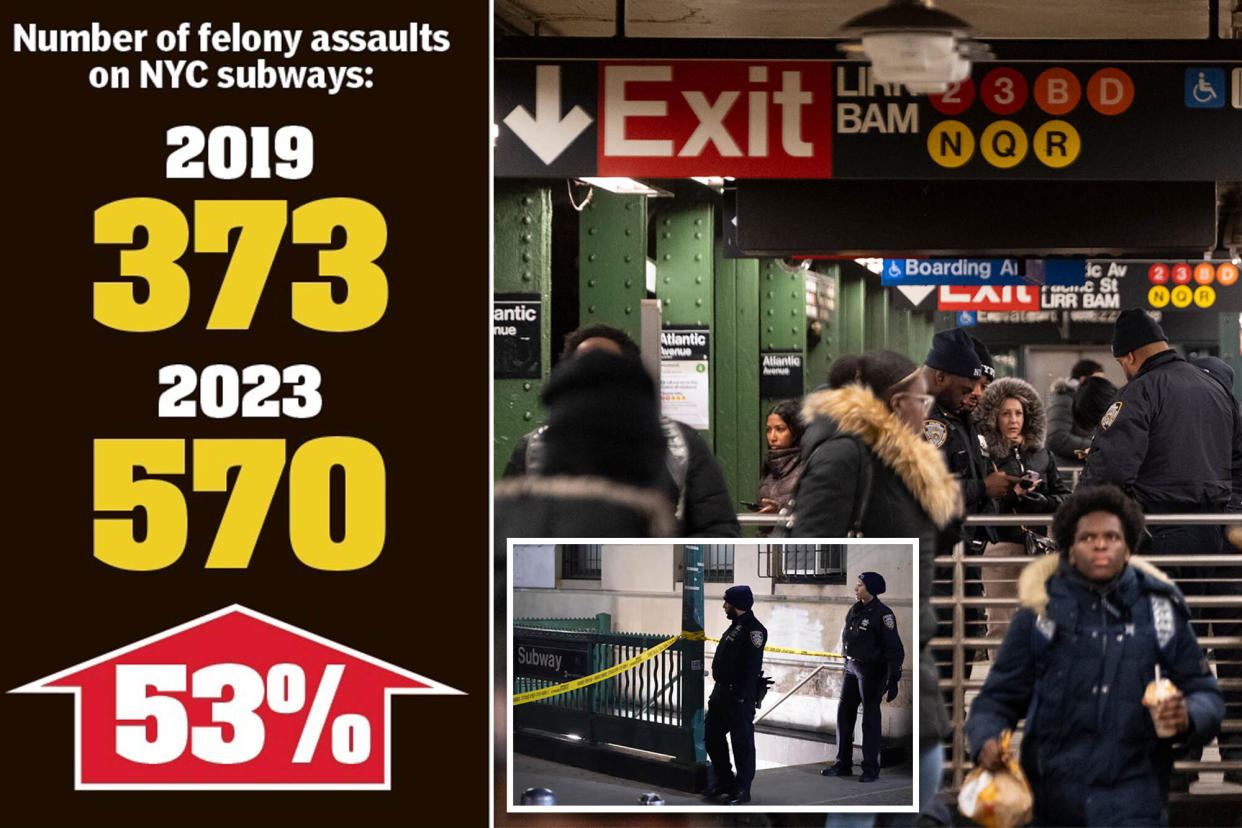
(234, 699)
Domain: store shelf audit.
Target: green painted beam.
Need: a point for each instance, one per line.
(821, 355)
(851, 314)
(876, 314)
(522, 264)
(612, 261)
(739, 434)
(685, 234)
(782, 307)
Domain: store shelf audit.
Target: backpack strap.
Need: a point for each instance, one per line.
(866, 474)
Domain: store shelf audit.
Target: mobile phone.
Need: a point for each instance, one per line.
(1029, 480)
(749, 505)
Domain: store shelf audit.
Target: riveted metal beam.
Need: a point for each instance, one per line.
(737, 413)
(851, 315)
(522, 264)
(782, 305)
(821, 352)
(612, 261)
(684, 234)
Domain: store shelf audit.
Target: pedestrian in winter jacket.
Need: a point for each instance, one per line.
(1065, 437)
(1010, 419)
(783, 465)
(868, 469)
(691, 478)
(1094, 626)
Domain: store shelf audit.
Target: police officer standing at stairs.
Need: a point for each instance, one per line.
(731, 708)
(873, 658)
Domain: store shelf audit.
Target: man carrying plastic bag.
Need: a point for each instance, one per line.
(1094, 629)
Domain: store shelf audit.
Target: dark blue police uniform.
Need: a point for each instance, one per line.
(959, 444)
(873, 658)
(731, 707)
(1172, 440)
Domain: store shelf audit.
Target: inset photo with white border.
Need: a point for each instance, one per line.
(703, 675)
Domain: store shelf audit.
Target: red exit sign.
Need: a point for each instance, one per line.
(695, 118)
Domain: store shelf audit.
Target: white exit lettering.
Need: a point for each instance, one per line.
(765, 98)
(988, 297)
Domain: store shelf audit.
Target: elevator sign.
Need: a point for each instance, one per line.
(833, 119)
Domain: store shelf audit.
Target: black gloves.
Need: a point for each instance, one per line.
(892, 686)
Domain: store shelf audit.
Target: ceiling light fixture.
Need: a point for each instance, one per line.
(912, 43)
(625, 186)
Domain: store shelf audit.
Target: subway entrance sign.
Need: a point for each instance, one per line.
(811, 119)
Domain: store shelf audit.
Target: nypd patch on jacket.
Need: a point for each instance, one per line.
(1172, 439)
(739, 658)
(870, 636)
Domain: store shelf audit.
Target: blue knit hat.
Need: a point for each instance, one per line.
(740, 596)
(954, 353)
(873, 581)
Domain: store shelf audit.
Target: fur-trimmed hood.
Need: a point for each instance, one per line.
(1032, 583)
(1034, 420)
(857, 411)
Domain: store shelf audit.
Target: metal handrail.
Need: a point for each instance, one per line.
(958, 642)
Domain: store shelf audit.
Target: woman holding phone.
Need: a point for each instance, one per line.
(1011, 421)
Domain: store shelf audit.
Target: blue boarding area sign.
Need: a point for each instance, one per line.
(977, 272)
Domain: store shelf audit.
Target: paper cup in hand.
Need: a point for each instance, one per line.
(1158, 691)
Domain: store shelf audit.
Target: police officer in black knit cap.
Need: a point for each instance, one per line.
(956, 378)
(873, 657)
(1172, 440)
(731, 708)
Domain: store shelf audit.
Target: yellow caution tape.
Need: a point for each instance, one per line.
(771, 649)
(578, 684)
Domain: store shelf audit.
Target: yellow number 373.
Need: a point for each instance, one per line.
(262, 227)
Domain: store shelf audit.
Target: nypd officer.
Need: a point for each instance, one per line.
(1172, 440)
(873, 657)
(731, 707)
(954, 370)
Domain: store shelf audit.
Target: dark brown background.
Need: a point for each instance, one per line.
(415, 385)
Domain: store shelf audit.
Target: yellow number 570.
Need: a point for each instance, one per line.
(121, 541)
(262, 227)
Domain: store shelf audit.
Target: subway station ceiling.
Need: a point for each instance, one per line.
(1069, 19)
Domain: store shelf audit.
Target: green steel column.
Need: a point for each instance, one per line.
(1230, 347)
(684, 242)
(921, 333)
(821, 355)
(782, 327)
(851, 314)
(523, 264)
(782, 306)
(899, 331)
(876, 314)
(736, 409)
(612, 261)
(692, 622)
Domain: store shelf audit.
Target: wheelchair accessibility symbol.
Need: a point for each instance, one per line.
(1205, 88)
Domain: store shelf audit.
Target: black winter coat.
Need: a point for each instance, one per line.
(912, 495)
(738, 660)
(703, 499)
(1172, 440)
